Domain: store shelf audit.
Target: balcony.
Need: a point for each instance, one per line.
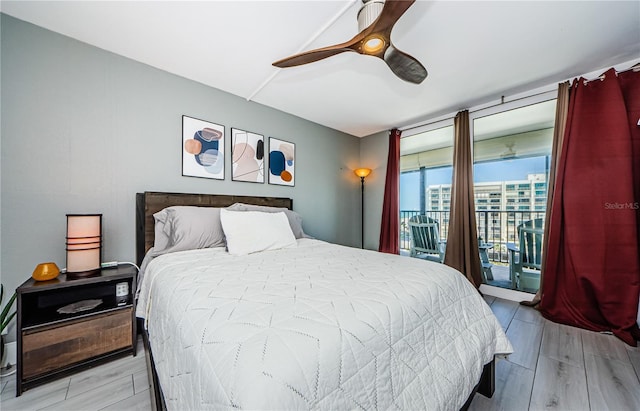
(497, 227)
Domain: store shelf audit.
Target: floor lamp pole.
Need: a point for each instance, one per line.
(362, 212)
(362, 173)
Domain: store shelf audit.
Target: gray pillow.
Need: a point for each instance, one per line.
(161, 240)
(181, 228)
(295, 220)
(190, 228)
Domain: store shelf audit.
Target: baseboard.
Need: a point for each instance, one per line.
(505, 293)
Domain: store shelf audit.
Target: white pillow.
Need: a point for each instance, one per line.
(295, 220)
(253, 231)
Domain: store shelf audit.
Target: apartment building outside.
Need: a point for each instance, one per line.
(500, 207)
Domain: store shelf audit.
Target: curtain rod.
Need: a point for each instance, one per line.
(635, 67)
(502, 102)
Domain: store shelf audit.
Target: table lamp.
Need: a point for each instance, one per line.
(84, 245)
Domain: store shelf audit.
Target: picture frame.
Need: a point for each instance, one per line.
(282, 164)
(247, 156)
(203, 145)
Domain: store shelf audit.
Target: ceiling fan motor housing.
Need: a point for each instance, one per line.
(369, 12)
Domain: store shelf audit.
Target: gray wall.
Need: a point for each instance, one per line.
(83, 130)
(374, 150)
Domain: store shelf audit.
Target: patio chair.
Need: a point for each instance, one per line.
(487, 274)
(425, 239)
(525, 261)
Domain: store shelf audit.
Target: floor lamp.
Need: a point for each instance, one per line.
(362, 173)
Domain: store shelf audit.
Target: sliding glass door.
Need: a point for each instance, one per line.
(512, 156)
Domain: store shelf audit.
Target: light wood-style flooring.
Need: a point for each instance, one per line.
(120, 385)
(553, 367)
(557, 367)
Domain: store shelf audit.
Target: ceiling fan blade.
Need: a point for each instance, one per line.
(390, 14)
(312, 55)
(404, 66)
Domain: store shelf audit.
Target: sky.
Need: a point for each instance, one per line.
(502, 170)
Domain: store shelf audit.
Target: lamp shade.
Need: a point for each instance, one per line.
(84, 244)
(362, 172)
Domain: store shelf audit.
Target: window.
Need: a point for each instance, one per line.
(426, 170)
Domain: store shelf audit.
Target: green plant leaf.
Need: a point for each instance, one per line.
(4, 321)
(7, 321)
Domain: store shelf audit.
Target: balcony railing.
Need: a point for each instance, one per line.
(497, 227)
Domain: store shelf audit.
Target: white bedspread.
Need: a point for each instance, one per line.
(319, 326)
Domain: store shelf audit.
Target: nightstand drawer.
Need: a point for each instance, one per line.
(54, 347)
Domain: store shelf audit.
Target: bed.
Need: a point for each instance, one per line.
(309, 326)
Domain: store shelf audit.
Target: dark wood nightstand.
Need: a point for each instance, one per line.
(52, 344)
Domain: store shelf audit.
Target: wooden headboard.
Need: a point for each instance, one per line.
(149, 203)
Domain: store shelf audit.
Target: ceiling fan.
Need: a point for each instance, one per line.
(376, 19)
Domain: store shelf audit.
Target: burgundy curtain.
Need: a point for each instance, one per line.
(592, 277)
(462, 241)
(631, 92)
(390, 228)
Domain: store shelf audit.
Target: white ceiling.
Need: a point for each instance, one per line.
(475, 51)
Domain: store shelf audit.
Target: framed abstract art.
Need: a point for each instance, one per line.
(282, 163)
(202, 148)
(247, 156)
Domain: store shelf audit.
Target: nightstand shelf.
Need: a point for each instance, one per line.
(51, 344)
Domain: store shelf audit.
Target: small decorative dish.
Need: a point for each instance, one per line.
(79, 306)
